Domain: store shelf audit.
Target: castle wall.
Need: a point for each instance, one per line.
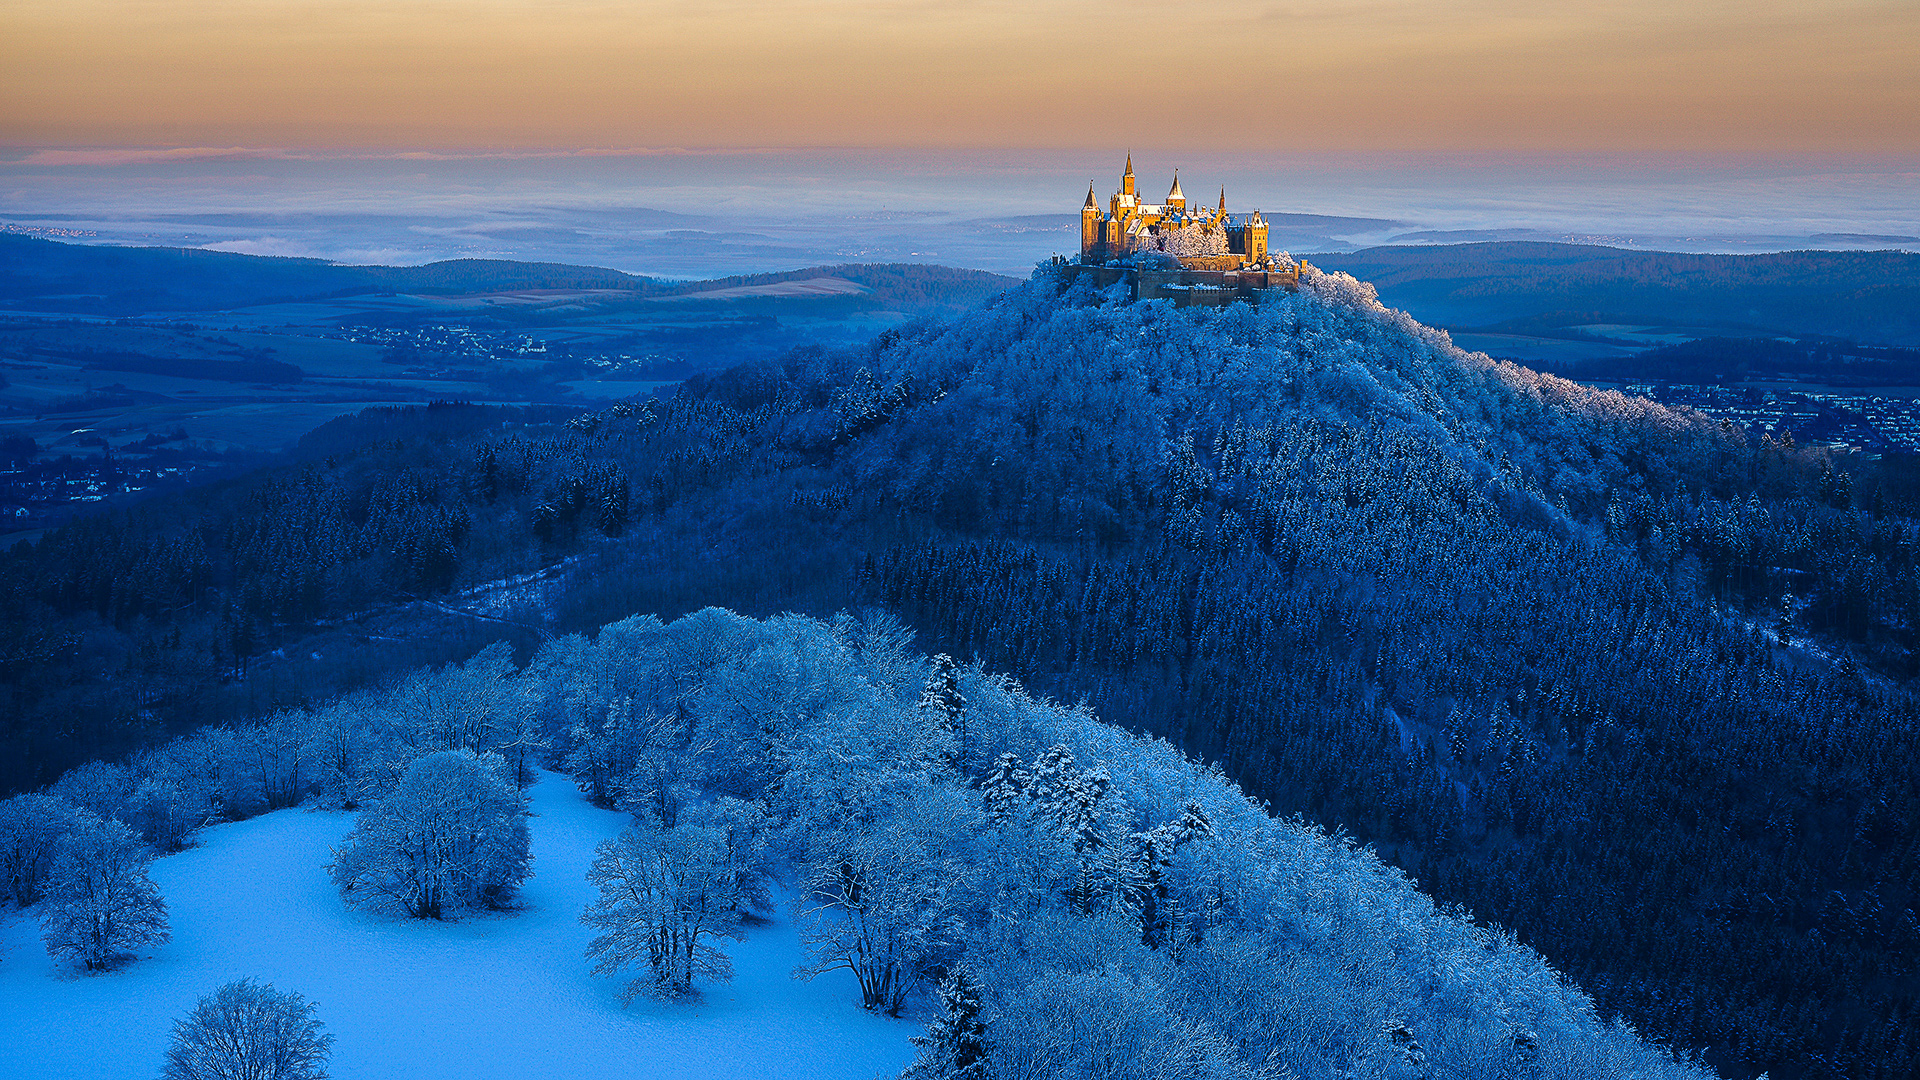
(1212, 262)
(1190, 287)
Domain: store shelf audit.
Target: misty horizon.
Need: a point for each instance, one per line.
(687, 213)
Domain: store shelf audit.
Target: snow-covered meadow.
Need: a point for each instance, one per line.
(496, 995)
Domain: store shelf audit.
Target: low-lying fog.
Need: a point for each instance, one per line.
(688, 214)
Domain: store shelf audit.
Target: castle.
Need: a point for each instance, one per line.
(1192, 255)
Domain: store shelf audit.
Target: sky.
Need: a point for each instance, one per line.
(1839, 77)
(730, 136)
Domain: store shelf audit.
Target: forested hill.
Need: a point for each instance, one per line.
(1602, 672)
(46, 275)
(1867, 296)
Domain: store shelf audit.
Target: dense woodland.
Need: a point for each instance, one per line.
(1618, 678)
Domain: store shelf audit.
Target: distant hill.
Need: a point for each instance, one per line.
(1868, 296)
(912, 285)
(46, 275)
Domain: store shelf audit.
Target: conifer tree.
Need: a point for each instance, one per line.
(955, 1045)
(1004, 787)
(946, 710)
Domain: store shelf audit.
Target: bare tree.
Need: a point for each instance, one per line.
(100, 904)
(249, 1031)
(665, 894)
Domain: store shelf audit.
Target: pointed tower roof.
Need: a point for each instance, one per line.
(1091, 205)
(1223, 200)
(1176, 193)
(1129, 171)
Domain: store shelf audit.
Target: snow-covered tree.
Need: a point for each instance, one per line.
(345, 751)
(883, 645)
(281, 757)
(162, 814)
(210, 770)
(463, 707)
(955, 1045)
(249, 1031)
(1101, 1020)
(1406, 1051)
(880, 897)
(452, 836)
(99, 904)
(1198, 238)
(99, 787)
(610, 742)
(518, 734)
(31, 829)
(1004, 787)
(666, 893)
(946, 711)
(1150, 892)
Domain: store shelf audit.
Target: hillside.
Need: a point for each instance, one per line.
(1606, 673)
(1118, 910)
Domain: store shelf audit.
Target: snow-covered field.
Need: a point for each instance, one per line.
(504, 996)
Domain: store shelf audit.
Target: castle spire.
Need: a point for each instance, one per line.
(1091, 205)
(1129, 171)
(1176, 195)
(1223, 200)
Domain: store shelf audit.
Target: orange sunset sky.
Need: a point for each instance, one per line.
(1838, 76)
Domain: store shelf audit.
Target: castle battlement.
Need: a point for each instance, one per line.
(1192, 255)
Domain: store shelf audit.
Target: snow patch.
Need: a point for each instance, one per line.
(501, 996)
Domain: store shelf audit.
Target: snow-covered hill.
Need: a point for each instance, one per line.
(505, 996)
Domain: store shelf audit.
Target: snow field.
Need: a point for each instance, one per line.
(506, 996)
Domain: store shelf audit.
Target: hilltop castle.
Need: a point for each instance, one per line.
(1168, 249)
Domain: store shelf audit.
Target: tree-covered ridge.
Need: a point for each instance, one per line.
(1524, 638)
(47, 275)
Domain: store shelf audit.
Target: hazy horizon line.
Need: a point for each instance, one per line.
(81, 154)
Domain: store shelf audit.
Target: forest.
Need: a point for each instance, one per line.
(1628, 683)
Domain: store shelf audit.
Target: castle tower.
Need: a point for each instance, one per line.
(1176, 198)
(1223, 200)
(1256, 237)
(1126, 178)
(1089, 223)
